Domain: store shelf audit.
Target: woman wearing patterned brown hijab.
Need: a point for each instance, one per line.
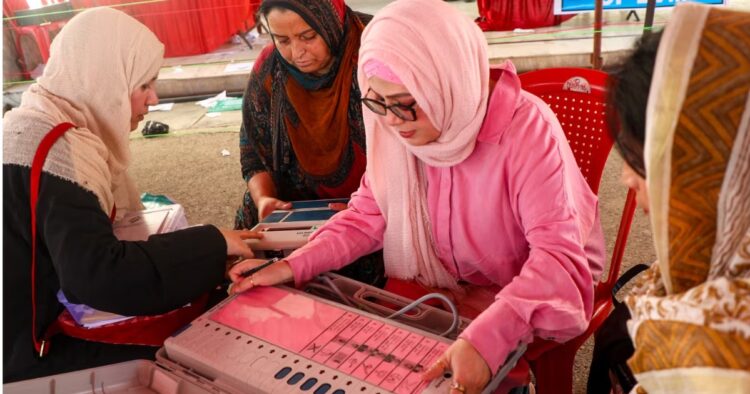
(302, 135)
(691, 311)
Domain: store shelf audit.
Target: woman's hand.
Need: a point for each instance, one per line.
(278, 272)
(236, 246)
(470, 372)
(266, 205)
(337, 206)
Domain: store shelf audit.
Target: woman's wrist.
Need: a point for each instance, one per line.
(261, 186)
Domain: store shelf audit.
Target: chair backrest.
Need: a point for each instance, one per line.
(578, 97)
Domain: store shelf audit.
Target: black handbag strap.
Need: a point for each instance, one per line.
(631, 273)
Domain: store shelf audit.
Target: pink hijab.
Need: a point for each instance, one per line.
(440, 55)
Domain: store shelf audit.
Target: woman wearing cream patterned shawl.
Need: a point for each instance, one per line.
(95, 97)
(691, 314)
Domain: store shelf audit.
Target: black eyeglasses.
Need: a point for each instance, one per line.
(403, 112)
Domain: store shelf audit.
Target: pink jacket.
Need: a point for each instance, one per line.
(516, 215)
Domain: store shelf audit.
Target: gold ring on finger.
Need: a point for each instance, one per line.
(458, 387)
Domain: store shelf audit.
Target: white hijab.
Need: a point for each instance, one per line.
(99, 58)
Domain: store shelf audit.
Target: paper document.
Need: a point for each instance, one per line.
(139, 225)
(238, 67)
(161, 107)
(87, 316)
(134, 226)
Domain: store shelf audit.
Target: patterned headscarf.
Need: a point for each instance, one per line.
(691, 313)
(99, 58)
(327, 18)
(309, 114)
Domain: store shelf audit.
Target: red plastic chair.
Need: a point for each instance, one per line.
(512, 14)
(578, 98)
(40, 34)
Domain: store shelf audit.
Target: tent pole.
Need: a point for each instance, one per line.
(596, 57)
(649, 21)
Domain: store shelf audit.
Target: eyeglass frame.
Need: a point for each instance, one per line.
(379, 104)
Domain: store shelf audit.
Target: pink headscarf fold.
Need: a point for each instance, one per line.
(440, 55)
(376, 68)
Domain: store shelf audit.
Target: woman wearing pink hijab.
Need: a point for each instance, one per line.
(470, 189)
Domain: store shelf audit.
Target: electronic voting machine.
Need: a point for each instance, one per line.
(279, 340)
(286, 230)
(283, 340)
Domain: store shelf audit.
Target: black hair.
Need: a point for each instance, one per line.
(629, 87)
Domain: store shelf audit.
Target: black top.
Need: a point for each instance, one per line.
(78, 252)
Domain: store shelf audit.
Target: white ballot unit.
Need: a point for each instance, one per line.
(286, 230)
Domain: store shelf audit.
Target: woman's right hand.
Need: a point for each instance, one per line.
(276, 273)
(266, 205)
(236, 245)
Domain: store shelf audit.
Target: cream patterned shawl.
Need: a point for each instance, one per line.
(691, 314)
(99, 58)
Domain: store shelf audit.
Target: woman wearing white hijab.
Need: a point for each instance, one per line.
(100, 78)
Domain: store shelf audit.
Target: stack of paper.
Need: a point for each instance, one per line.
(134, 226)
(139, 225)
(87, 316)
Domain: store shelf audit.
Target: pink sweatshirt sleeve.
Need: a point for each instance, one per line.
(347, 236)
(552, 296)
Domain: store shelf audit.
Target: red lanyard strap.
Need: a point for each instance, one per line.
(36, 172)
